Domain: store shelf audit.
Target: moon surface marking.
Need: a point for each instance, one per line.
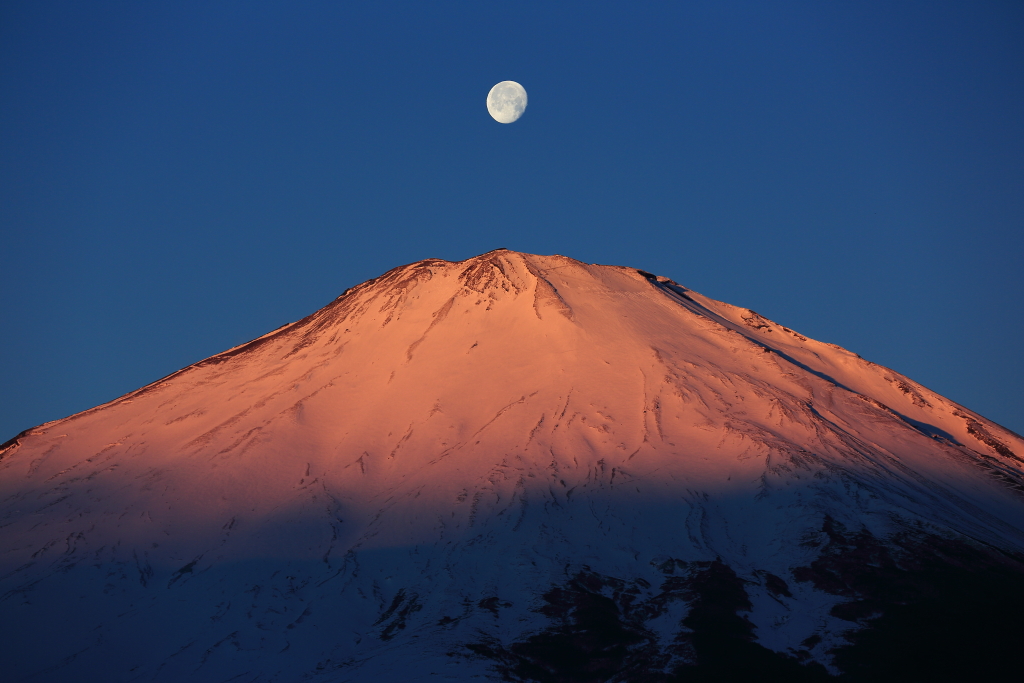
(506, 101)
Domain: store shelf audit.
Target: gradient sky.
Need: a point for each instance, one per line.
(178, 178)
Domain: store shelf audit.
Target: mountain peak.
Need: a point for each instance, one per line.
(431, 460)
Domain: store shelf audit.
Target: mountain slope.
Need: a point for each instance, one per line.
(426, 477)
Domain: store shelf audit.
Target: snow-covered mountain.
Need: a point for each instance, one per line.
(515, 466)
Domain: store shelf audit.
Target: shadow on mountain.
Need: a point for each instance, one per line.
(599, 634)
(932, 608)
(922, 608)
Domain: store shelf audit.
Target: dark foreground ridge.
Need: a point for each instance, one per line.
(922, 609)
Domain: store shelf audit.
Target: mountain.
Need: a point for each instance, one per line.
(516, 467)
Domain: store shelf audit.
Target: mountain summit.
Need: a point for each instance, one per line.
(514, 467)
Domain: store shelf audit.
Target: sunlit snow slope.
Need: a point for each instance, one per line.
(372, 492)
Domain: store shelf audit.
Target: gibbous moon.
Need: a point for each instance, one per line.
(506, 102)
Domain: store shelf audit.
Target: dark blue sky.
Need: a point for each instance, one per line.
(177, 178)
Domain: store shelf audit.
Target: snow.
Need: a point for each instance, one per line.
(323, 498)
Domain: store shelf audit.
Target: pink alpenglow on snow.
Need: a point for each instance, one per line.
(450, 469)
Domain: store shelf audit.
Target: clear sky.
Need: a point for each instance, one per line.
(179, 177)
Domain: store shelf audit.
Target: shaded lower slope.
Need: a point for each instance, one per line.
(921, 608)
(599, 634)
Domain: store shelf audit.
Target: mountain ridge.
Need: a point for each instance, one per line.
(357, 474)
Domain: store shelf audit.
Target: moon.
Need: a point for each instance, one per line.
(506, 101)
